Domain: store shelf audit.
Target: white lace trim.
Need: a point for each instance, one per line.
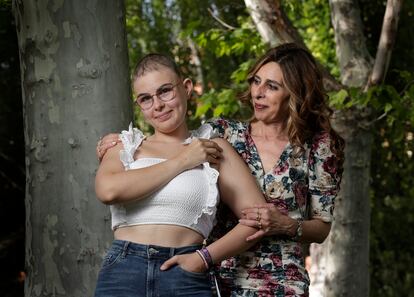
(131, 140)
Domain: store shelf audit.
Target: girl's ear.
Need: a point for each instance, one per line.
(188, 85)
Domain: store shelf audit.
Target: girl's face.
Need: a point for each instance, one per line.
(169, 97)
(269, 95)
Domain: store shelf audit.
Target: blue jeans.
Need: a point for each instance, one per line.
(131, 270)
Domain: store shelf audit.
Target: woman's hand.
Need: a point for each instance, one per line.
(104, 144)
(189, 262)
(269, 220)
(200, 151)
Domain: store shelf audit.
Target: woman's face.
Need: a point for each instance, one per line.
(269, 95)
(164, 116)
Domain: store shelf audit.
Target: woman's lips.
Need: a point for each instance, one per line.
(258, 106)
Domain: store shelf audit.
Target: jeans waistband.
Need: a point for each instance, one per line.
(152, 250)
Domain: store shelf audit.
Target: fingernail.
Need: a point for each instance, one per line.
(113, 142)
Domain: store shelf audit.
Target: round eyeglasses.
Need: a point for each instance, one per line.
(164, 93)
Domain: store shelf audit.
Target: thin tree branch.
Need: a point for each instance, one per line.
(223, 23)
(386, 42)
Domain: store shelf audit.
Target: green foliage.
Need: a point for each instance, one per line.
(313, 21)
(243, 42)
(392, 190)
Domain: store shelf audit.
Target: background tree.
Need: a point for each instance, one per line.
(74, 70)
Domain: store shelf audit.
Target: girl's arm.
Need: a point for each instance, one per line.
(238, 189)
(115, 185)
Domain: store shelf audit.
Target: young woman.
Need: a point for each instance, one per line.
(296, 158)
(163, 194)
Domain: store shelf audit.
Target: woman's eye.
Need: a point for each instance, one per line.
(273, 87)
(256, 80)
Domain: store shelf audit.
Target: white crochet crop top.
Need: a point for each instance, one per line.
(189, 200)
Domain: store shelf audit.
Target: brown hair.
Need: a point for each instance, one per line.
(308, 111)
(153, 62)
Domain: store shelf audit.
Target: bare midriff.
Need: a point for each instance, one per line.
(161, 235)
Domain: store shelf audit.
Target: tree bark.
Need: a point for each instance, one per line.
(75, 84)
(347, 263)
(386, 43)
(354, 59)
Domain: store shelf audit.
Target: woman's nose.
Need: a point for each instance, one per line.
(258, 92)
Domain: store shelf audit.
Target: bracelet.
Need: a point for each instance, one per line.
(207, 256)
(298, 233)
(202, 258)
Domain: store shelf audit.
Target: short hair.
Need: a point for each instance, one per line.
(154, 61)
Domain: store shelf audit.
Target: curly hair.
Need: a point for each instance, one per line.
(307, 108)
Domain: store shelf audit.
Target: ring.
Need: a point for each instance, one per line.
(259, 216)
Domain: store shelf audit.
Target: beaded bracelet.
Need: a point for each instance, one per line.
(207, 256)
(202, 258)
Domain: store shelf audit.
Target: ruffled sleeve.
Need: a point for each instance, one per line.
(324, 178)
(131, 140)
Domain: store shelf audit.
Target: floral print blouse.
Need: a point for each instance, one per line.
(301, 187)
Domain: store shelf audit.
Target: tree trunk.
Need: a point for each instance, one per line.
(347, 271)
(355, 61)
(75, 84)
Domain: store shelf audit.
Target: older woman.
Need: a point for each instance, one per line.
(296, 158)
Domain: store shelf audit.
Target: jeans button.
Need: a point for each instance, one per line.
(152, 251)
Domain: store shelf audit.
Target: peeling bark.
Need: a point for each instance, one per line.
(75, 84)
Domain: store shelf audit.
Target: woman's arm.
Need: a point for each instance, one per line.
(275, 223)
(114, 185)
(239, 190)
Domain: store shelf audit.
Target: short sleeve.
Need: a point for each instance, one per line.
(131, 140)
(324, 178)
(219, 125)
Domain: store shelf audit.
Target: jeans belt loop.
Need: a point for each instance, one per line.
(125, 249)
(172, 252)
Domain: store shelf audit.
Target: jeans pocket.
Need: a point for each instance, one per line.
(202, 275)
(111, 258)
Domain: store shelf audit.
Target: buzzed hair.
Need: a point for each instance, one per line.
(155, 62)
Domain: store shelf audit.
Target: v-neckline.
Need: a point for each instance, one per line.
(256, 151)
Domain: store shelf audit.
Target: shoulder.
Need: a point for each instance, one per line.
(225, 123)
(321, 143)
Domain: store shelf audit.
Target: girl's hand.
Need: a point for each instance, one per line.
(104, 144)
(269, 220)
(189, 262)
(200, 151)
